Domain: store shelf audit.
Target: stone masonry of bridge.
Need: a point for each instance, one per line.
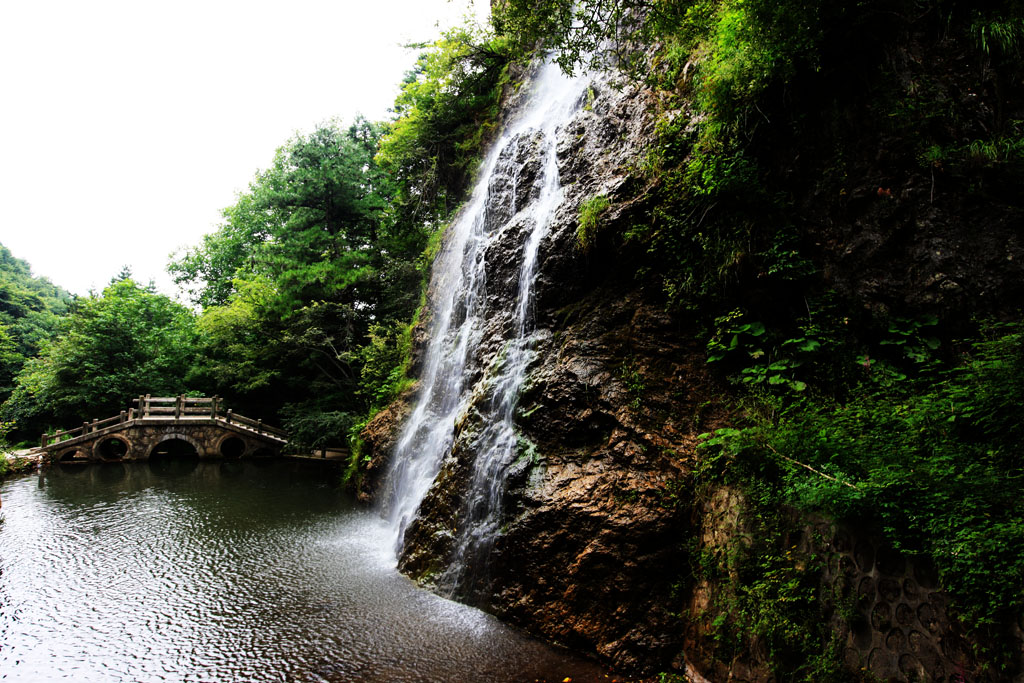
(138, 434)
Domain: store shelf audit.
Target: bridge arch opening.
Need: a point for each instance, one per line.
(174, 456)
(73, 456)
(232, 447)
(175, 447)
(112, 449)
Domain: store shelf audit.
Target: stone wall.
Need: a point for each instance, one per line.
(888, 611)
(901, 629)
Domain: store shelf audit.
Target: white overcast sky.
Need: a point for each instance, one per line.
(127, 125)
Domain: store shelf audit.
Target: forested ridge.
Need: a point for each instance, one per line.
(29, 310)
(829, 206)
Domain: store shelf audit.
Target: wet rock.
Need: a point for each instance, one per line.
(379, 438)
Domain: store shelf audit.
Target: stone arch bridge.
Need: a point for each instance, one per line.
(157, 426)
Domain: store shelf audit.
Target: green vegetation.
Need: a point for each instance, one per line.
(769, 592)
(894, 419)
(13, 465)
(307, 285)
(931, 464)
(9, 464)
(29, 310)
(126, 341)
(589, 221)
(310, 287)
(447, 110)
(742, 81)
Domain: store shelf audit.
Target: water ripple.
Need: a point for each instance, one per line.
(269, 574)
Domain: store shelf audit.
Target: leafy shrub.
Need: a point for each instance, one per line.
(589, 218)
(933, 465)
(311, 426)
(385, 362)
(446, 110)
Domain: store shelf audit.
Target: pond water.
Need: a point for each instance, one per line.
(229, 571)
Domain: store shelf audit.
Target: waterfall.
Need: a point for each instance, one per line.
(463, 324)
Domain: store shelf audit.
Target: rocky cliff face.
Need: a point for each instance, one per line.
(595, 525)
(599, 520)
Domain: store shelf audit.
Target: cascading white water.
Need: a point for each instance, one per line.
(457, 329)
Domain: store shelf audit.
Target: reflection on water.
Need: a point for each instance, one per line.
(166, 466)
(180, 570)
(111, 472)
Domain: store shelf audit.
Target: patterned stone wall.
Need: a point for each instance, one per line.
(889, 611)
(900, 629)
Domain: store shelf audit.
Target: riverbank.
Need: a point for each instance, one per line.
(23, 461)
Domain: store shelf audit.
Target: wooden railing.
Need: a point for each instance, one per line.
(177, 406)
(166, 408)
(86, 428)
(231, 417)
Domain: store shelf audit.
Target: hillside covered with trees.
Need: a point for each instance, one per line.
(30, 308)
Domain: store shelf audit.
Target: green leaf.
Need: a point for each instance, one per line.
(754, 329)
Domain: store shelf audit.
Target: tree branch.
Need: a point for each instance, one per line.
(816, 471)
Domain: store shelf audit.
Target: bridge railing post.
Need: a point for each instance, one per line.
(177, 408)
(124, 416)
(42, 441)
(85, 428)
(259, 426)
(214, 406)
(228, 416)
(94, 421)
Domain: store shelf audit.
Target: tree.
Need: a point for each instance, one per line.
(305, 263)
(30, 308)
(207, 272)
(315, 224)
(447, 109)
(125, 342)
(10, 361)
(586, 33)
